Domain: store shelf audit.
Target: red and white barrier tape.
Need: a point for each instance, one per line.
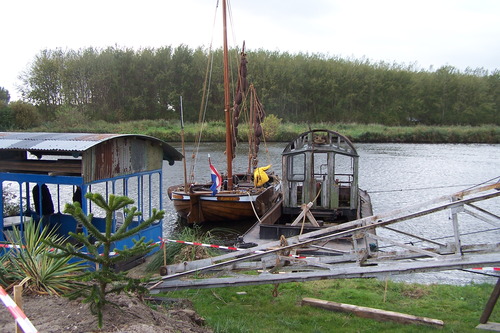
(231, 248)
(10, 246)
(495, 269)
(17, 313)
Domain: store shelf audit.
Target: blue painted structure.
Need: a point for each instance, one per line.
(122, 164)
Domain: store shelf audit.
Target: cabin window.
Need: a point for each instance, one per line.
(14, 200)
(297, 167)
(320, 166)
(143, 189)
(344, 169)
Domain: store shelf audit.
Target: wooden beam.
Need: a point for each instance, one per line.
(492, 301)
(372, 313)
(43, 166)
(492, 327)
(18, 299)
(172, 282)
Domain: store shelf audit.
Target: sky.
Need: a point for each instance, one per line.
(424, 34)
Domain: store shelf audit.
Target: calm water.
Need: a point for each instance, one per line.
(395, 175)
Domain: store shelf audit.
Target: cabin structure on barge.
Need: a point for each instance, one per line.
(320, 187)
(40, 172)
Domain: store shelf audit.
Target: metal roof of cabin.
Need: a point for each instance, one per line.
(72, 143)
(91, 156)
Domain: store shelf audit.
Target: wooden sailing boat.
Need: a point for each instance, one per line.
(240, 197)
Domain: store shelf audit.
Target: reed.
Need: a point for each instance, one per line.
(286, 131)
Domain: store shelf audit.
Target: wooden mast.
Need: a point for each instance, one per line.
(227, 108)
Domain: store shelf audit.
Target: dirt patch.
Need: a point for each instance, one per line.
(59, 314)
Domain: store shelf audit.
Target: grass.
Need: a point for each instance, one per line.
(284, 132)
(176, 252)
(254, 309)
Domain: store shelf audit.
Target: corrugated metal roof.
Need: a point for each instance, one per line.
(63, 142)
(71, 142)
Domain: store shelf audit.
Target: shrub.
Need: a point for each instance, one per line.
(271, 127)
(25, 115)
(32, 265)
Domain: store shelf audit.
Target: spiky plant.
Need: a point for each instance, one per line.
(105, 281)
(30, 262)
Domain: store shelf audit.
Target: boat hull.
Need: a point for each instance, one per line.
(201, 206)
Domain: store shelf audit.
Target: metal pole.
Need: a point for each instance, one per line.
(183, 149)
(227, 110)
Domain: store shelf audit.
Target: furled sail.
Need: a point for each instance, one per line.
(257, 115)
(240, 96)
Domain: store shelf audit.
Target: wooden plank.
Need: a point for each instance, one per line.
(372, 313)
(489, 326)
(42, 166)
(172, 282)
(18, 298)
(492, 301)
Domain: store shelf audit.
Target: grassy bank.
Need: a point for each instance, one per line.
(283, 132)
(254, 309)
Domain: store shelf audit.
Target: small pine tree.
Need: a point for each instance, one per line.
(104, 280)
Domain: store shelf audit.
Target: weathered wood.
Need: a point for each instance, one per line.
(325, 234)
(306, 213)
(492, 301)
(343, 272)
(43, 166)
(372, 313)
(493, 327)
(18, 298)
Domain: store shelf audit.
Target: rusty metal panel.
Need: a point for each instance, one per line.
(121, 156)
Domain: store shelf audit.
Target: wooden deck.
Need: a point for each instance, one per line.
(408, 257)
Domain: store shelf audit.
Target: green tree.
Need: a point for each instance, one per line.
(6, 117)
(105, 280)
(120, 84)
(25, 115)
(4, 97)
(42, 83)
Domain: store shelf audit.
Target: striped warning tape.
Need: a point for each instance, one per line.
(231, 248)
(10, 246)
(17, 313)
(166, 240)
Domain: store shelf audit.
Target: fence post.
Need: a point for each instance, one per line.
(18, 298)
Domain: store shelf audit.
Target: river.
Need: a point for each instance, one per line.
(395, 175)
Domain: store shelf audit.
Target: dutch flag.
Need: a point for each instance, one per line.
(216, 178)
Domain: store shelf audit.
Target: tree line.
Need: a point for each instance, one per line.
(122, 84)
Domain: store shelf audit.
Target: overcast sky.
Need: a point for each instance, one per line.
(425, 33)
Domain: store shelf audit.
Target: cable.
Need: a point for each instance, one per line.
(471, 186)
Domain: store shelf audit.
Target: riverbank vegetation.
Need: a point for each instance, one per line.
(121, 84)
(275, 130)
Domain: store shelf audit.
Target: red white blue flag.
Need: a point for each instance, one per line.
(216, 178)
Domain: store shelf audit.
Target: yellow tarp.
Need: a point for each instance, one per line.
(260, 176)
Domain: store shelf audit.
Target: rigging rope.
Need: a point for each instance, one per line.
(204, 100)
(206, 89)
(471, 186)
